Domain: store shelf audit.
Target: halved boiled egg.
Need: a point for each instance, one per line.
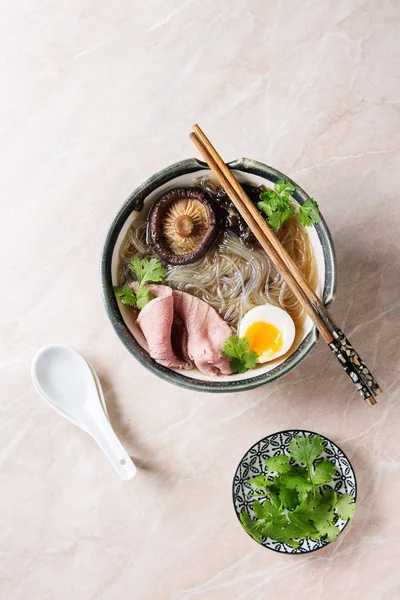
(270, 331)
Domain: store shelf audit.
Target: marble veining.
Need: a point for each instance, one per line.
(96, 97)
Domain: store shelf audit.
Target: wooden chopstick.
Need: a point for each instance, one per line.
(339, 344)
(263, 233)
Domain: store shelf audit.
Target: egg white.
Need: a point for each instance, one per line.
(267, 313)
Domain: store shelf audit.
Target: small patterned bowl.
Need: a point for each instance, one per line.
(252, 464)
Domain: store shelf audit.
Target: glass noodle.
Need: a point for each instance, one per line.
(233, 276)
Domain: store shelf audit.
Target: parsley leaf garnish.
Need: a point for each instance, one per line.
(305, 449)
(126, 294)
(297, 479)
(277, 464)
(323, 472)
(144, 296)
(330, 531)
(345, 507)
(238, 350)
(271, 202)
(302, 521)
(277, 218)
(309, 213)
(250, 526)
(260, 482)
(235, 346)
(289, 498)
(292, 500)
(284, 188)
(146, 270)
(277, 205)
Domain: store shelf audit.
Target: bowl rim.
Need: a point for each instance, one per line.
(135, 202)
(278, 433)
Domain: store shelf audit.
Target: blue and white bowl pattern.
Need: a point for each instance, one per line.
(252, 464)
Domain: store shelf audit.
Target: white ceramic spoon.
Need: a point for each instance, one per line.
(65, 380)
(66, 415)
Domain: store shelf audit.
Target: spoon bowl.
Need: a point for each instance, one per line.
(68, 384)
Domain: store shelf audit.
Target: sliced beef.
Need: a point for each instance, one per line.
(206, 332)
(181, 330)
(155, 320)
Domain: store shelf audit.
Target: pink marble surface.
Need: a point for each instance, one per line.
(95, 97)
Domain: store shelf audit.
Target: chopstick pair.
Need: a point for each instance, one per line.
(333, 336)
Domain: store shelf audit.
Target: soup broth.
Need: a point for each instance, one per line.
(236, 274)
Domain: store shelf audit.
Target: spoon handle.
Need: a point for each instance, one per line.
(104, 435)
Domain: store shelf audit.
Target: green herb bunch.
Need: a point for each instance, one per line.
(278, 207)
(293, 500)
(146, 270)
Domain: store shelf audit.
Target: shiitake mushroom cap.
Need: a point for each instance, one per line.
(184, 228)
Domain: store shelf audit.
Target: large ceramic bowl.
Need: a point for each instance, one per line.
(183, 174)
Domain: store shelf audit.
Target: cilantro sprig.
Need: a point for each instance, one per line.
(277, 205)
(126, 294)
(238, 350)
(146, 270)
(292, 500)
(309, 213)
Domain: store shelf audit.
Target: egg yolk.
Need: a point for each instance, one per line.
(264, 338)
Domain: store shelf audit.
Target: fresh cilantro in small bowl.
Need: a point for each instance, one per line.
(294, 491)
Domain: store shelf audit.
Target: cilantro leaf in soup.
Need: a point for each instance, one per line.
(238, 349)
(235, 346)
(269, 202)
(309, 213)
(126, 294)
(237, 365)
(277, 218)
(144, 296)
(277, 205)
(250, 360)
(284, 188)
(147, 270)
